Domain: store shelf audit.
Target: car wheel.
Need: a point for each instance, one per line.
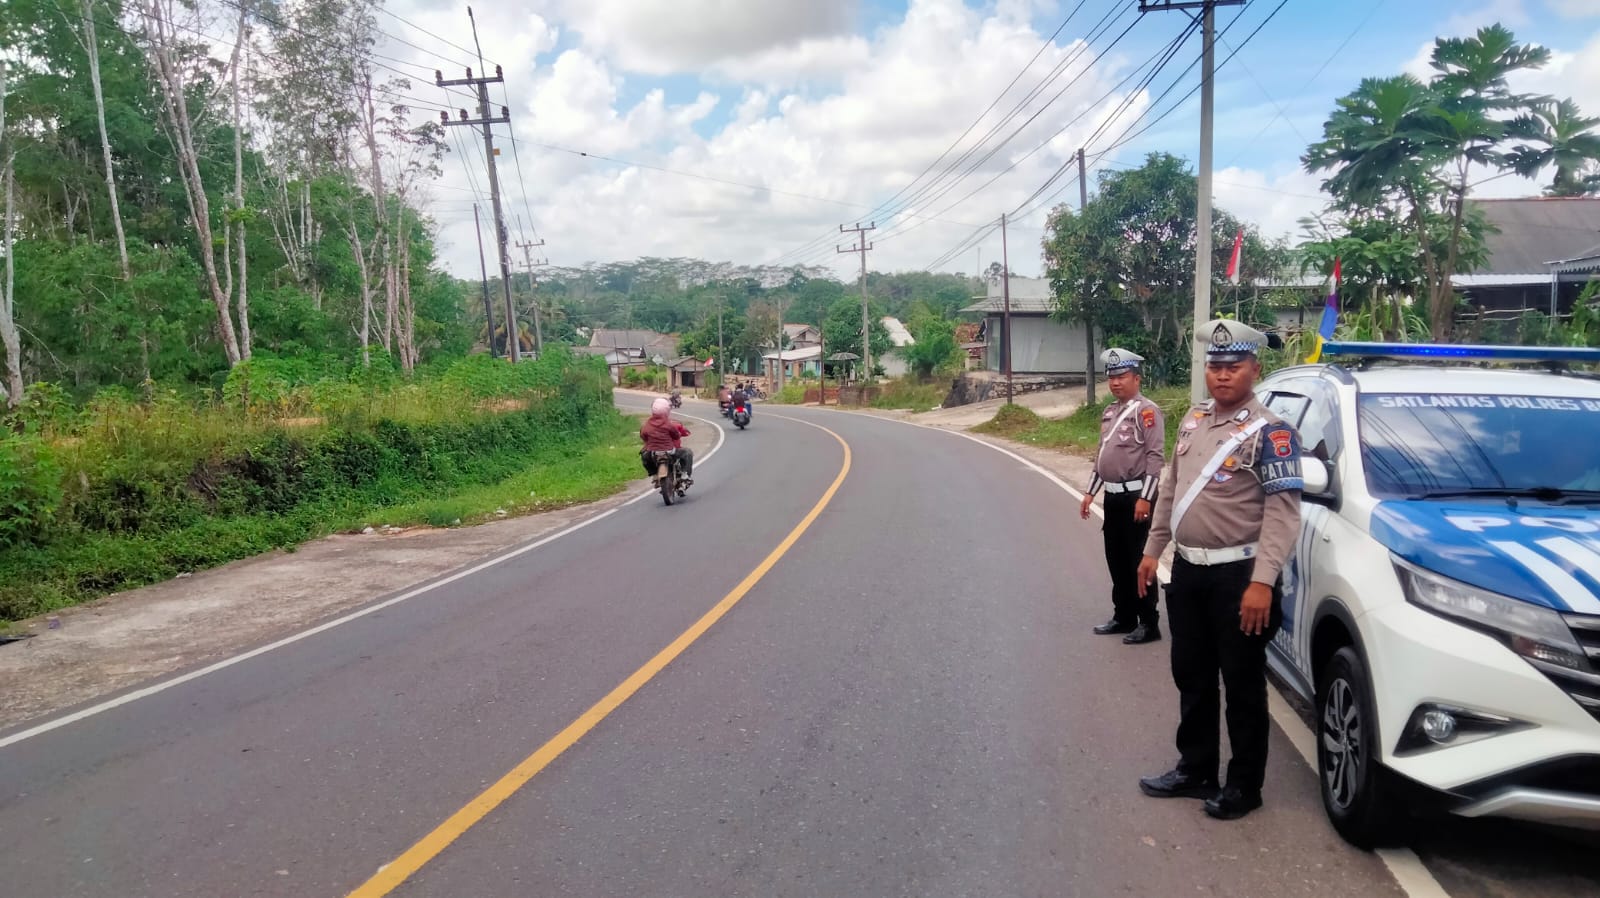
(1347, 753)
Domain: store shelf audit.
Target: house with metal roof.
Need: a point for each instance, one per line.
(1040, 344)
(1542, 251)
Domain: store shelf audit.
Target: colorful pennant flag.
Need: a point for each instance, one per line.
(1330, 316)
(1233, 261)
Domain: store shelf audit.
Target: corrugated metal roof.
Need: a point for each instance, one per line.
(633, 339)
(1028, 296)
(1535, 231)
(898, 335)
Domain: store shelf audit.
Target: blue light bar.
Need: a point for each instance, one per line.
(1464, 353)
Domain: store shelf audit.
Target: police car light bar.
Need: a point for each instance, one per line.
(1535, 354)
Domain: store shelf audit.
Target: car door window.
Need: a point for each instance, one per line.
(1288, 405)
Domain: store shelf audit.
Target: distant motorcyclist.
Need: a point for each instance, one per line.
(724, 399)
(662, 434)
(741, 398)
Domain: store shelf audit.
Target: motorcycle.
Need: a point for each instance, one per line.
(676, 399)
(741, 416)
(668, 478)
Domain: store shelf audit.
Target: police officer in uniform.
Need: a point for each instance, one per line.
(1128, 466)
(1232, 506)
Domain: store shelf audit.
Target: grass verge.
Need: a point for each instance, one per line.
(573, 468)
(911, 395)
(1079, 432)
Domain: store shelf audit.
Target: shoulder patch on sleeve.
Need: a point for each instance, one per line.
(1278, 461)
(1147, 417)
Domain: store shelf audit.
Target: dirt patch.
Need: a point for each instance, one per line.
(126, 639)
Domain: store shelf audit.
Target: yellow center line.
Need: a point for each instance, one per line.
(393, 874)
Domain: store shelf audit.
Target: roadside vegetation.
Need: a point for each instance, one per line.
(912, 395)
(125, 491)
(1079, 432)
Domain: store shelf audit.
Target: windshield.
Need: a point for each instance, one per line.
(1415, 444)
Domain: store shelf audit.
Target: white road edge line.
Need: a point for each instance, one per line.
(225, 663)
(1408, 871)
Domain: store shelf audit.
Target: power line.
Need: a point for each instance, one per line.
(937, 194)
(1127, 101)
(890, 207)
(1161, 58)
(712, 179)
(941, 192)
(1314, 76)
(1126, 138)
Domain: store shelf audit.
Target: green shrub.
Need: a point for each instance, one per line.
(141, 490)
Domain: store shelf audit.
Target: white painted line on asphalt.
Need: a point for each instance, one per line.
(1408, 871)
(164, 685)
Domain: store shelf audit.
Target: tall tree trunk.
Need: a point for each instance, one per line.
(408, 310)
(93, 48)
(11, 391)
(175, 108)
(364, 330)
(381, 239)
(242, 300)
(8, 322)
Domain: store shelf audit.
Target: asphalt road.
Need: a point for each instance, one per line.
(907, 701)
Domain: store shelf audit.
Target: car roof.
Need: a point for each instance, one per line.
(1445, 379)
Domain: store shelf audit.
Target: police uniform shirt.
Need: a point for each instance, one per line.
(1254, 496)
(1132, 444)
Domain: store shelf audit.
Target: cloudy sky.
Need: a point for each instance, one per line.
(749, 130)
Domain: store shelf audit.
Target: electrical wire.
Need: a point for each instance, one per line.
(889, 206)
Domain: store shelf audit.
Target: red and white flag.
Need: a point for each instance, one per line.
(1233, 261)
(709, 361)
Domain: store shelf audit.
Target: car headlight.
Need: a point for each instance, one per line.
(1531, 631)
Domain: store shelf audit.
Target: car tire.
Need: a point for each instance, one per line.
(1351, 776)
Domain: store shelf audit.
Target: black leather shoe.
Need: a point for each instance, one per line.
(1113, 627)
(1176, 784)
(1143, 634)
(1233, 803)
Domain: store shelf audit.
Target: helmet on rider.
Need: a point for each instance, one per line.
(661, 408)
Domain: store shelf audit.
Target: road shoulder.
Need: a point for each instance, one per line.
(129, 638)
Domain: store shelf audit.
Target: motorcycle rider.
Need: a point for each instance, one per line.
(741, 397)
(662, 434)
(724, 399)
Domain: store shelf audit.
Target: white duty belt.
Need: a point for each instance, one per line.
(1127, 486)
(1223, 451)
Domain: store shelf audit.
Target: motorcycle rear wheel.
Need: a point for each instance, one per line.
(668, 482)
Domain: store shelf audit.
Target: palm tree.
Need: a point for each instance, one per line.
(1569, 144)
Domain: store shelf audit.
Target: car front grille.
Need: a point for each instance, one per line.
(1584, 688)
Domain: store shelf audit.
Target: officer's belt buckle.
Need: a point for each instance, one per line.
(1213, 557)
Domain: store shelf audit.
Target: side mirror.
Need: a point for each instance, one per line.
(1315, 473)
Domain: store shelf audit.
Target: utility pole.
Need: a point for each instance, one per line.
(486, 122)
(1088, 321)
(483, 268)
(1005, 291)
(533, 299)
(862, 246)
(1202, 250)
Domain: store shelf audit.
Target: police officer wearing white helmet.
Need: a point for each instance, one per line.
(1232, 506)
(1128, 467)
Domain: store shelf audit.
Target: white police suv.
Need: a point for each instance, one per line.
(1442, 609)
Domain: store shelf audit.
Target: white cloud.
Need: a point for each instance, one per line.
(914, 86)
(1575, 9)
(667, 36)
(788, 118)
(1274, 202)
(1510, 13)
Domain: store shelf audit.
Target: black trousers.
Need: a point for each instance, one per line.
(1203, 614)
(1125, 539)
